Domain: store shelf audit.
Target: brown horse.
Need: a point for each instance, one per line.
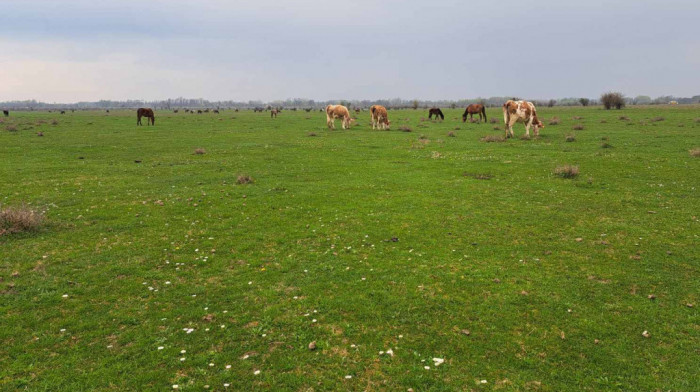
(274, 113)
(435, 112)
(145, 112)
(475, 108)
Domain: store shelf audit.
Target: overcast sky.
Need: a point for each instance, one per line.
(74, 50)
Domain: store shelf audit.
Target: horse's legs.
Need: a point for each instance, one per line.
(138, 120)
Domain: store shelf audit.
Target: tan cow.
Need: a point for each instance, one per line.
(379, 116)
(337, 111)
(521, 111)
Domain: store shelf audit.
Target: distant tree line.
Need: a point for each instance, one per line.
(300, 103)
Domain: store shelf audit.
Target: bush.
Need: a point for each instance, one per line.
(20, 219)
(612, 100)
(566, 171)
(584, 101)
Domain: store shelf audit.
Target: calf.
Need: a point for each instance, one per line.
(380, 118)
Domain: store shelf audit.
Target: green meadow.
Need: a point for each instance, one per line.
(412, 259)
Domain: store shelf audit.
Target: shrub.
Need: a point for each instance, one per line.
(613, 100)
(451, 134)
(200, 151)
(244, 179)
(695, 152)
(20, 219)
(570, 138)
(554, 121)
(584, 101)
(405, 129)
(493, 139)
(566, 171)
(578, 127)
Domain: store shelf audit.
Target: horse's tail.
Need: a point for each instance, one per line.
(483, 111)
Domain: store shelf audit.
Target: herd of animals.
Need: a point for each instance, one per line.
(513, 112)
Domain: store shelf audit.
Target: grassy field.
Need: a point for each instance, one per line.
(386, 248)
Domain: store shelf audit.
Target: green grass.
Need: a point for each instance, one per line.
(387, 239)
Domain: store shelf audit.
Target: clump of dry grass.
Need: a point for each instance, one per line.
(493, 121)
(695, 152)
(312, 134)
(422, 137)
(554, 121)
(54, 122)
(244, 179)
(657, 119)
(606, 145)
(200, 151)
(451, 134)
(525, 137)
(493, 139)
(11, 128)
(578, 127)
(623, 118)
(405, 129)
(570, 138)
(20, 219)
(478, 176)
(603, 121)
(40, 133)
(436, 155)
(566, 171)
(577, 118)
(697, 120)
(496, 128)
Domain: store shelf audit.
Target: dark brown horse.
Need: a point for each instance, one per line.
(6, 112)
(145, 112)
(475, 108)
(435, 112)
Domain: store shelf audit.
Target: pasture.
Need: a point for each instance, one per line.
(388, 249)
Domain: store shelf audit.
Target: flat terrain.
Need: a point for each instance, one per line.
(361, 241)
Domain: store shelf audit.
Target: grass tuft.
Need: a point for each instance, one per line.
(554, 121)
(20, 219)
(695, 152)
(493, 138)
(570, 138)
(405, 129)
(606, 145)
(578, 127)
(451, 134)
(200, 151)
(244, 179)
(566, 171)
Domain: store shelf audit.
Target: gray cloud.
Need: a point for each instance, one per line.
(85, 50)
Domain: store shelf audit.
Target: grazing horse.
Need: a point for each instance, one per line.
(216, 111)
(175, 111)
(379, 116)
(6, 113)
(337, 111)
(475, 108)
(521, 111)
(435, 112)
(255, 110)
(63, 112)
(145, 112)
(273, 113)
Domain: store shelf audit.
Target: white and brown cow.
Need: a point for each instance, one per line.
(379, 116)
(337, 111)
(521, 111)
